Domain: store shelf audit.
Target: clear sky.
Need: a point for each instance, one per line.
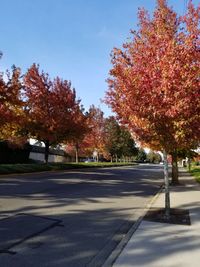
(70, 38)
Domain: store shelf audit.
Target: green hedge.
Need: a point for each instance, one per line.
(26, 168)
(195, 170)
(10, 155)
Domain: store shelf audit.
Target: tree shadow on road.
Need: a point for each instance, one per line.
(96, 207)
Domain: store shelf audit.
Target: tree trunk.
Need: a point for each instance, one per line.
(189, 163)
(166, 178)
(76, 151)
(76, 156)
(175, 179)
(46, 153)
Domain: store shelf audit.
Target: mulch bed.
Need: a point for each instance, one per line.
(177, 216)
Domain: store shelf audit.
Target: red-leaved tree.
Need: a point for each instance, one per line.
(154, 84)
(94, 139)
(75, 144)
(51, 107)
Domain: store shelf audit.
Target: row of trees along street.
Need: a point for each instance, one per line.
(34, 106)
(154, 88)
(106, 138)
(154, 84)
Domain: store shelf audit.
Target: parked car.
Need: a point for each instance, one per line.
(89, 160)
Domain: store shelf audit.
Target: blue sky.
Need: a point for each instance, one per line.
(70, 38)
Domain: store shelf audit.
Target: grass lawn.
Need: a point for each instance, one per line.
(195, 170)
(36, 167)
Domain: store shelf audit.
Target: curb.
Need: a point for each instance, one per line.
(117, 251)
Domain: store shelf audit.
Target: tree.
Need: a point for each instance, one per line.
(11, 107)
(127, 144)
(111, 138)
(94, 139)
(142, 155)
(154, 83)
(154, 157)
(117, 140)
(51, 107)
(189, 154)
(75, 143)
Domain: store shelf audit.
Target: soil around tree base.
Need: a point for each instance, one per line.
(177, 216)
(175, 183)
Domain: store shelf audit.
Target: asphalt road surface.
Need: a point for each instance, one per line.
(71, 218)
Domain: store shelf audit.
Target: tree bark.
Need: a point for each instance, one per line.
(76, 155)
(167, 193)
(111, 159)
(189, 162)
(46, 153)
(175, 180)
(76, 151)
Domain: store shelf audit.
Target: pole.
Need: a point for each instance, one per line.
(166, 178)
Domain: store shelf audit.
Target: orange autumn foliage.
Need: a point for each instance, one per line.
(94, 139)
(52, 109)
(154, 84)
(11, 107)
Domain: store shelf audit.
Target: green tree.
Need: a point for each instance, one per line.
(154, 157)
(141, 156)
(118, 141)
(128, 145)
(111, 138)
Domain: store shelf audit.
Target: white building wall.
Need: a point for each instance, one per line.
(52, 158)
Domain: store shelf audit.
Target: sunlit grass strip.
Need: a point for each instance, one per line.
(195, 170)
(25, 168)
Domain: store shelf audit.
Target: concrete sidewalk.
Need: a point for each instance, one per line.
(167, 245)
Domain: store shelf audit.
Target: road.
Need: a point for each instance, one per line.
(71, 218)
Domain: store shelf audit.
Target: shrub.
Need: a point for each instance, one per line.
(9, 154)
